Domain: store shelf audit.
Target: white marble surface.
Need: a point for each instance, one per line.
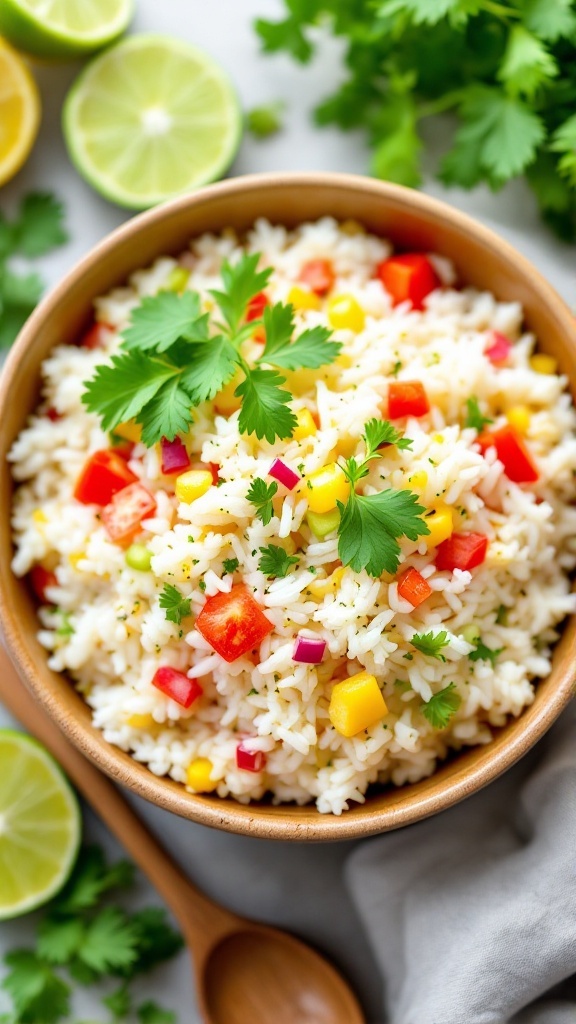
(296, 886)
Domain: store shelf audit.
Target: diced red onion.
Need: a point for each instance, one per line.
(174, 456)
(499, 348)
(283, 474)
(308, 651)
(250, 760)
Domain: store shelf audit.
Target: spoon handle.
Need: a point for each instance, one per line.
(201, 920)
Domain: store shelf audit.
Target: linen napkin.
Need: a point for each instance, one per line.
(472, 914)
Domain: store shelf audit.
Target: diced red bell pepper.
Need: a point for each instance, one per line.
(233, 623)
(512, 453)
(256, 306)
(461, 551)
(407, 398)
(96, 336)
(103, 476)
(124, 448)
(177, 685)
(215, 470)
(53, 414)
(41, 579)
(123, 516)
(409, 277)
(318, 275)
(250, 760)
(175, 458)
(413, 587)
(499, 348)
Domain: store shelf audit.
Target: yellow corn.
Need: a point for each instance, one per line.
(519, 418)
(344, 361)
(441, 525)
(39, 516)
(356, 704)
(130, 431)
(352, 227)
(302, 299)
(177, 279)
(418, 480)
(319, 588)
(193, 484)
(141, 722)
(542, 363)
(225, 402)
(345, 313)
(76, 557)
(438, 438)
(199, 775)
(305, 426)
(325, 487)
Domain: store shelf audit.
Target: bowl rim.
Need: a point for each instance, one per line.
(288, 821)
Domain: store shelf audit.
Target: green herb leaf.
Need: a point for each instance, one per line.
(212, 365)
(381, 432)
(110, 942)
(276, 562)
(176, 606)
(39, 226)
(38, 994)
(564, 141)
(157, 940)
(370, 525)
(442, 707)
(119, 1003)
(484, 653)
(260, 494)
(230, 565)
(151, 1013)
(120, 390)
(59, 938)
(162, 319)
(90, 879)
(19, 295)
(527, 64)
(266, 120)
(550, 19)
(431, 643)
(474, 417)
(265, 410)
(242, 281)
(310, 350)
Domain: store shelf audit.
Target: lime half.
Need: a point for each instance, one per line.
(151, 118)
(63, 28)
(40, 825)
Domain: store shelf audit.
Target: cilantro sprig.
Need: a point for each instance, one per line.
(191, 356)
(442, 706)
(260, 494)
(275, 562)
(484, 653)
(175, 605)
(431, 644)
(474, 415)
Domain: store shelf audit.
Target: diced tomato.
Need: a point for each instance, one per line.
(413, 587)
(461, 551)
(103, 476)
(499, 348)
(233, 623)
(96, 336)
(175, 457)
(409, 277)
(214, 469)
(53, 415)
(41, 579)
(256, 306)
(177, 685)
(512, 453)
(123, 516)
(407, 398)
(318, 275)
(250, 760)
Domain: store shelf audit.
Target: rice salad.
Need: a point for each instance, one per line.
(239, 605)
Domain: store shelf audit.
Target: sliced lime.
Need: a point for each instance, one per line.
(151, 118)
(40, 825)
(63, 28)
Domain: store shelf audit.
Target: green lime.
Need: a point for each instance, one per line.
(63, 28)
(151, 118)
(40, 825)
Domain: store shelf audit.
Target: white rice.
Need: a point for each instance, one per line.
(119, 636)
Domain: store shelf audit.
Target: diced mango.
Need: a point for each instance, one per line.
(323, 523)
(346, 313)
(325, 487)
(302, 299)
(441, 525)
(193, 484)
(305, 426)
(418, 480)
(199, 776)
(356, 704)
(141, 722)
(130, 431)
(518, 416)
(542, 363)
(319, 588)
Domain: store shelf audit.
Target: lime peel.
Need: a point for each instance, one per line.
(64, 28)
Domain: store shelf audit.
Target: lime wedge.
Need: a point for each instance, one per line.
(63, 28)
(40, 825)
(151, 118)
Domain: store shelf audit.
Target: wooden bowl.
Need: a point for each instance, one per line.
(412, 221)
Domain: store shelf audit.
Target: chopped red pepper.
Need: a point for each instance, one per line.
(175, 458)
(407, 398)
(499, 348)
(103, 476)
(250, 760)
(214, 469)
(53, 414)
(318, 275)
(256, 306)
(96, 336)
(177, 685)
(41, 579)
(123, 516)
(461, 551)
(413, 587)
(124, 448)
(233, 623)
(512, 453)
(409, 277)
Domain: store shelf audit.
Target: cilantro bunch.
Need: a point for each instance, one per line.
(505, 68)
(174, 357)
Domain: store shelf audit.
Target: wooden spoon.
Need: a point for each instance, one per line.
(246, 973)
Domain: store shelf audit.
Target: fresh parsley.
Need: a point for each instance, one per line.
(260, 494)
(442, 706)
(230, 565)
(276, 562)
(484, 653)
(266, 120)
(431, 644)
(474, 417)
(175, 605)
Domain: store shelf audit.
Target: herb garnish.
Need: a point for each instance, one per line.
(431, 643)
(484, 653)
(275, 561)
(442, 706)
(229, 565)
(176, 606)
(260, 494)
(474, 417)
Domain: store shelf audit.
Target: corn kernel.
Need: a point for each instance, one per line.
(226, 402)
(344, 361)
(441, 525)
(177, 279)
(305, 426)
(345, 313)
(141, 722)
(542, 363)
(302, 299)
(76, 557)
(39, 516)
(519, 418)
(325, 487)
(352, 227)
(199, 776)
(193, 484)
(438, 438)
(418, 480)
(130, 431)
(356, 704)
(319, 588)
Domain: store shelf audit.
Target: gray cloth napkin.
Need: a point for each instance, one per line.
(472, 913)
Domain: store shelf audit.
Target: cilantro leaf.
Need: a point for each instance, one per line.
(166, 414)
(157, 940)
(151, 1013)
(19, 295)
(39, 995)
(230, 565)
(442, 707)
(110, 942)
(176, 606)
(39, 226)
(564, 141)
(527, 65)
(276, 562)
(266, 120)
(285, 35)
(212, 365)
(381, 432)
(120, 389)
(429, 12)
(59, 938)
(370, 525)
(484, 653)
(90, 879)
(550, 19)
(260, 494)
(161, 319)
(265, 410)
(119, 1003)
(310, 350)
(431, 643)
(242, 281)
(474, 417)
